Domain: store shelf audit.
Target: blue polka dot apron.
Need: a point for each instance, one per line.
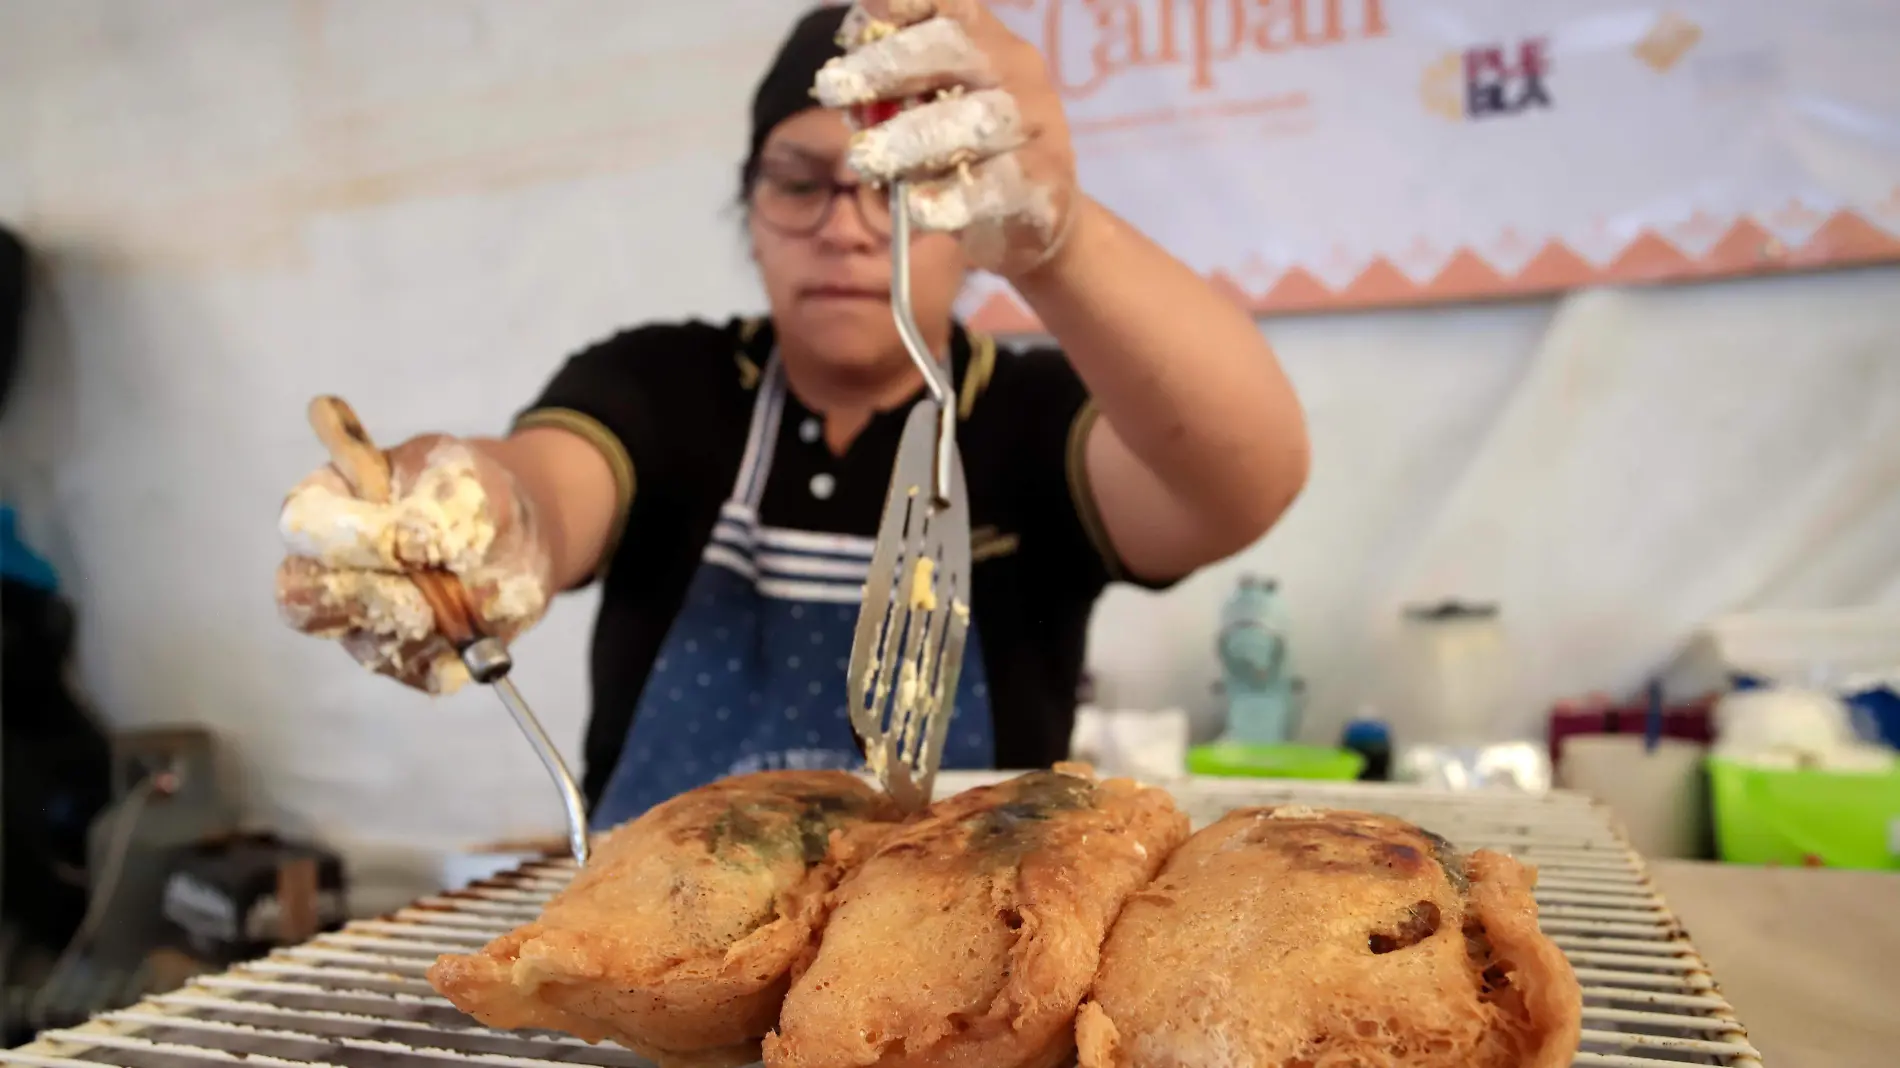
(752, 674)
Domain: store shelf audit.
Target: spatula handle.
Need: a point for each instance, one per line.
(937, 375)
(366, 468)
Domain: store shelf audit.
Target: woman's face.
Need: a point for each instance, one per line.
(830, 286)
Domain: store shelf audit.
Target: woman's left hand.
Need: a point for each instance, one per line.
(947, 99)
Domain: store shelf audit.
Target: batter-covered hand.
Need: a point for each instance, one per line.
(343, 575)
(946, 98)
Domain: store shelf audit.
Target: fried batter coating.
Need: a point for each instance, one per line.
(969, 937)
(678, 938)
(1292, 938)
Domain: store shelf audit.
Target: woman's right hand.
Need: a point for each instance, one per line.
(451, 506)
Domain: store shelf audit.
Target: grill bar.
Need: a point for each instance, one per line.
(1646, 997)
(1596, 928)
(243, 984)
(357, 996)
(235, 1006)
(274, 967)
(336, 1042)
(1635, 980)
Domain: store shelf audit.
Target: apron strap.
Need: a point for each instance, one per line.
(762, 438)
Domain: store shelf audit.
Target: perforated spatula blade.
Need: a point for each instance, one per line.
(908, 650)
(907, 653)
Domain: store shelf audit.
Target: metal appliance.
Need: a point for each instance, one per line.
(165, 797)
(1262, 696)
(1455, 673)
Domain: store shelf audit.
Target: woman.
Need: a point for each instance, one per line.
(724, 481)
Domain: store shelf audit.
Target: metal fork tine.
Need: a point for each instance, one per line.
(894, 639)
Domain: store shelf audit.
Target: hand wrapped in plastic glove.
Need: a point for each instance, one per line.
(945, 97)
(451, 507)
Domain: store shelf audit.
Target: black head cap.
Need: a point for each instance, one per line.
(785, 90)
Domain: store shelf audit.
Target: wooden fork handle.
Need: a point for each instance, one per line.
(448, 599)
(366, 468)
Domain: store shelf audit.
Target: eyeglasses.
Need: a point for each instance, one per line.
(799, 201)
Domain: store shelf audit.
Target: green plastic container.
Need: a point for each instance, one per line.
(1240, 760)
(1834, 819)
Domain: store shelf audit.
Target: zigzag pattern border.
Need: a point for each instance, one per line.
(1846, 238)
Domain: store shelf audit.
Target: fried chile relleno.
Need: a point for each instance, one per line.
(969, 937)
(1293, 938)
(678, 938)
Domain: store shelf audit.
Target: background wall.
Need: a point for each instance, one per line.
(424, 206)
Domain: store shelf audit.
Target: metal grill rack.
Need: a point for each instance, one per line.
(357, 997)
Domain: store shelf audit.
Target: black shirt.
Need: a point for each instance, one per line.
(669, 405)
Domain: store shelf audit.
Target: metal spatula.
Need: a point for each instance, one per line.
(366, 468)
(908, 650)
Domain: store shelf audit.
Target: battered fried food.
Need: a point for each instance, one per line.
(678, 938)
(969, 937)
(1287, 937)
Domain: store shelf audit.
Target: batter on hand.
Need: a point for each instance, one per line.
(344, 571)
(978, 130)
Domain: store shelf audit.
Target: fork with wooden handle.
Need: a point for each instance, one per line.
(366, 468)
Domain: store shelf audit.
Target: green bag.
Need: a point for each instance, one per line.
(1795, 817)
(1274, 761)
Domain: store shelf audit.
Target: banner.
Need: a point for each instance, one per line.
(1326, 154)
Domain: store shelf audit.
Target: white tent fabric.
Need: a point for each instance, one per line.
(1612, 476)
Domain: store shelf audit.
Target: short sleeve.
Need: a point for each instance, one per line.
(631, 396)
(1038, 393)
